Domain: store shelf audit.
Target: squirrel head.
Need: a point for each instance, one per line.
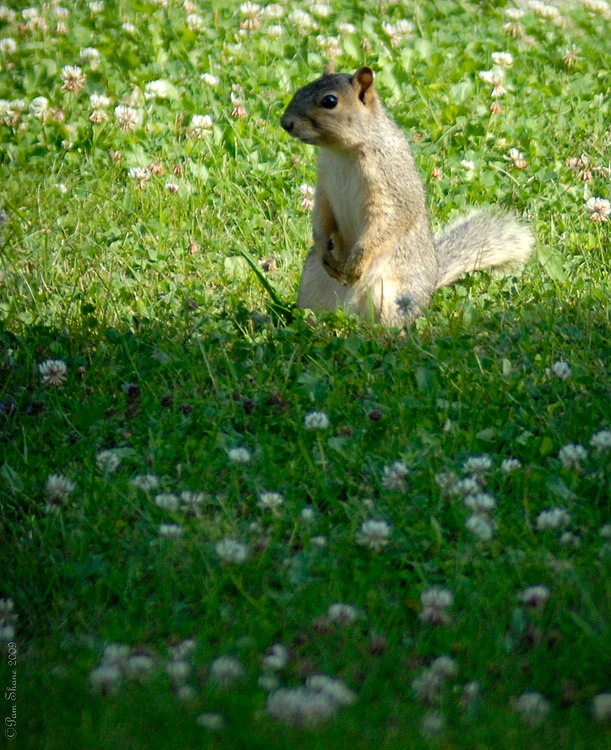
(333, 110)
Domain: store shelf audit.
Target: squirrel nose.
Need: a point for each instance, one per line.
(287, 123)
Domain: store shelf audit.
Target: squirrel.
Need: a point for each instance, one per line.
(374, 252)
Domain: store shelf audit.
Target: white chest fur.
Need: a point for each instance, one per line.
(340, 178)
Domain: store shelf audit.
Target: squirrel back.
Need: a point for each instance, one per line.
(374, 252)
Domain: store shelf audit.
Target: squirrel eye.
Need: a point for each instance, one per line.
(329, 101)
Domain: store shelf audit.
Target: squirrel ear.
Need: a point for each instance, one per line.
(330, 68)
(362, 81)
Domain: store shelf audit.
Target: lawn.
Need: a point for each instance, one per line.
(225, 526)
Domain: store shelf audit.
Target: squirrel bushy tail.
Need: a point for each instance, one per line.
(479, 241)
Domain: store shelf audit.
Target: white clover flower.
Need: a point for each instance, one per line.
(600, 7)
(330, 45)
(568, 539)
(480, 526)
(516, 157)
(183, 649)
(468, 164)
(7, 15)
(432, 724)
(167, 501)
(605, 531)
(99, 101)
(108, 461)
(394, 476)
(53, 372)
(275, 31)
(232, 551)
(170, 530)
(561, 370)
(514, 14)
(270, 500)
(129, 28)
(139, 665)
(470, 692)
(481, 502)
(115, 653)
(8, 619)
(226, 670)
(497, 92)
(347, 28)
(493, 77)
(8, 46)
(316, 420)
(39, 107)
(192, 501)
(128, 117)
(211, 721)
(444, 666)
(275, 10)
(477, 464)
(427, 686)
(105, 677)
(532, 708)
(535, 596)
(145, 482)
(96, 6)
(571, 455)
(555, 518)
(599, 209)
(58, 488)
(302, 20)
(337, 692)
(601, 441)
(239, 455)
(90, 55)
(464, 487)
(186, 693)
(436, 597)
(504, 59)
(601, 707)
(307, 191)
(156, 90)
(195, 22)
(140, 175)
(268, 681)
(321, 10)
(374, 534)
(73, 78)
(509, 465)
(398, 31)
(308, 514)
(250, 9)
(209, 79)
(548, 12)
(342, 614)
(446, 480)
(178, 670)
(300, 707)
(277, 658)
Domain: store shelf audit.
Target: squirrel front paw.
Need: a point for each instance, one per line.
(354, 266)
(331, 265)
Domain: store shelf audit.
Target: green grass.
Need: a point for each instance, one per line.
(176, 353)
